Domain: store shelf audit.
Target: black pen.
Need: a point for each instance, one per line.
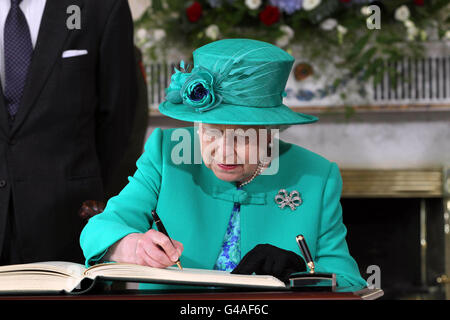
(305, 251)
(163, 230)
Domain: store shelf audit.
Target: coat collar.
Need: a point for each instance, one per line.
(239, 196)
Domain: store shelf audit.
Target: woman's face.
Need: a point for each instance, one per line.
(231, 151)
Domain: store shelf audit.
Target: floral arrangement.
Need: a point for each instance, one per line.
(327, 31)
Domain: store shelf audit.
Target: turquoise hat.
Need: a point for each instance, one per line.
(233, 81)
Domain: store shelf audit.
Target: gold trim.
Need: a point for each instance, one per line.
(370, 294)
(366, 183)
(311, 266)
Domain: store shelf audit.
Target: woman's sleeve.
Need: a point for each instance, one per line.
(332, 253)
(129, 211)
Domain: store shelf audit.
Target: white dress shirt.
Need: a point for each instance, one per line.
(33, 10)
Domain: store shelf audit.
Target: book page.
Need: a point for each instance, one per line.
(41, 276)
(63, 267)
(131, 272)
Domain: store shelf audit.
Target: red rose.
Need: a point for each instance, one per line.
(194, 11)
(345, 1)
(269, 15)
(419, 2)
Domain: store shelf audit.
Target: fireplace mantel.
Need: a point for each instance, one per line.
(424, 183)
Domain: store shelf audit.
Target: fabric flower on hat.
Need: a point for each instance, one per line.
(176, 83)
(194, 89)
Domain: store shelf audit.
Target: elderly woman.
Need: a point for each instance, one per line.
(231, 195)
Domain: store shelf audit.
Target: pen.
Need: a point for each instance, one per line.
(163, 230)
(305, 251)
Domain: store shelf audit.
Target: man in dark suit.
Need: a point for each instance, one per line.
(66, 110)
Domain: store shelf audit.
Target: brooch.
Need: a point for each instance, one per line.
(292, 200)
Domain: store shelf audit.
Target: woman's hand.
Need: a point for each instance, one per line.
(271, 260)
(152, 248)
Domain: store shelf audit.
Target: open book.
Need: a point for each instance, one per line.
(58, 276)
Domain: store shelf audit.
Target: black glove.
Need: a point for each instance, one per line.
(271, 260)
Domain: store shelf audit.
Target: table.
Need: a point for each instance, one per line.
(365, 294)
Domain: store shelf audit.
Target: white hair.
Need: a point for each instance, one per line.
(279, 127)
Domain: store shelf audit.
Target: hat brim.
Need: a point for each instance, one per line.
(237, 115)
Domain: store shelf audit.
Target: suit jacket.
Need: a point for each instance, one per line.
(195, 207)
(137, 136)
(71, 127)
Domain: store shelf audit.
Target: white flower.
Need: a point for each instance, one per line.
(212, 32)
(141, 34)
(310, 4)
(402, 13)
(253, 4)
(288, 34)
(365, 11)
(413, 32)
(328, 24)
(287, 31)
(341, 29)
(159, 34)
(447, 35)
(282, 41)
(409, 24)
(147, 45)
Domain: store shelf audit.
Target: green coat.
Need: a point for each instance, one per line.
(195, 207)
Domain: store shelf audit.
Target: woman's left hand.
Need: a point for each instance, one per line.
(271, 260)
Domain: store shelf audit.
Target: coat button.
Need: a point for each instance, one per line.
(2, 183)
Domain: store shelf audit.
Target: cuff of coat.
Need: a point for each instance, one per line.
(96, 246)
